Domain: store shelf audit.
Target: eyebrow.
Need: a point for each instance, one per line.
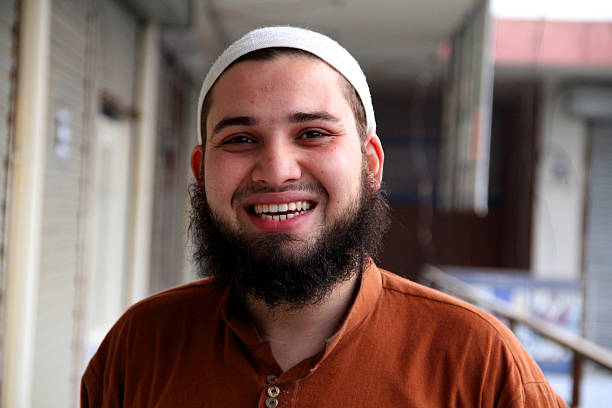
(233, 121)
(297, 117)
(300, 117)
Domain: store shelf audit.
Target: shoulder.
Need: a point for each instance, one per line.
(200, 300)
(159, 322)
(200, 291)
(440, 311)
(466, 336)
(432, 302)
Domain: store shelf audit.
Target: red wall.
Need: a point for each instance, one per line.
(553, 43)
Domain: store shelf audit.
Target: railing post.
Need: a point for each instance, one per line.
(576, 380)
(512, 325)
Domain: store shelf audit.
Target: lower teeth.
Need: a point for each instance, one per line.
(280, 217)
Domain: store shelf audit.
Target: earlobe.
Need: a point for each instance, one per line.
(375, 158)
(196, 164)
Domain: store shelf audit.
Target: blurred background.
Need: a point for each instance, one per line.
(495, 117)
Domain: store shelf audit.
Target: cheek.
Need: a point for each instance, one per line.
(223, 175)
(219, 175)
(340, 174)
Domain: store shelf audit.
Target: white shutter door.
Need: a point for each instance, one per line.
(598, 255)
(53, 379)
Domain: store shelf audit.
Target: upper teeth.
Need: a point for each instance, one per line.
(282, 207)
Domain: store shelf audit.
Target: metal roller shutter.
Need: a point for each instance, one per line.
(53, 379)
(598, 263)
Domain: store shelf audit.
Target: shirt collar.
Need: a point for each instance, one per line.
(369, 292)
(370, 289)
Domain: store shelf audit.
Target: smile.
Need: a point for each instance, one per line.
(281, 211)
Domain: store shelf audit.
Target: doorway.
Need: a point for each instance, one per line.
(109, 227)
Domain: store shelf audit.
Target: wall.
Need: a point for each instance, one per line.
(559, 190)
(7, 60)
(513, 155)
(176, 138)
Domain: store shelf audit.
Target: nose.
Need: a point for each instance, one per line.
(277, 164)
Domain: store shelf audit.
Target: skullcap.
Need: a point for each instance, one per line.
(293, 37)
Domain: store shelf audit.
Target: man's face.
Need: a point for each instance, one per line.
(282, 152)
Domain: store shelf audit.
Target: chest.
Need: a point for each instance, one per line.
(358, 374)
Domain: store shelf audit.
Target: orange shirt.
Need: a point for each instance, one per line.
(401, 345)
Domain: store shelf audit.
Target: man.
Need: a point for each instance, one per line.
(287, 215)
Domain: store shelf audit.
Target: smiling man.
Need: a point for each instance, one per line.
(287, 215)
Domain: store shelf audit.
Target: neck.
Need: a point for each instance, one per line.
(295, 334)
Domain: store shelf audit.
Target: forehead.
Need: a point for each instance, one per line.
(299, 79)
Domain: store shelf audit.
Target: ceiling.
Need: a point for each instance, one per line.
(392, 39)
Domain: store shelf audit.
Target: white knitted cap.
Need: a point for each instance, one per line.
(292, 37)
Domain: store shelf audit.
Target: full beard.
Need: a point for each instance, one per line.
(280, 269)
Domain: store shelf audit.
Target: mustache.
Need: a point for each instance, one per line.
(245, 191)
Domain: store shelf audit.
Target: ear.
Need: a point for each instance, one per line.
(375, 158)
(196, 164)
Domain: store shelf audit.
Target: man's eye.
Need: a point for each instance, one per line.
(238, 140)
(312, 134)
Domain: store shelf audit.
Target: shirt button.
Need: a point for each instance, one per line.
(271, 402)
(273, 391)
(270, 379)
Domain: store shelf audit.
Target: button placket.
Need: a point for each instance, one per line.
(271, 402)
(272, 392)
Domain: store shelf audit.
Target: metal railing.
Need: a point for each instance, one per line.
(581, 348)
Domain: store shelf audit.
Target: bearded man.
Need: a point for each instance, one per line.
(287, 215)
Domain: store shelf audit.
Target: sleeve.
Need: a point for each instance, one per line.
(525, 386)
(517, 377)
(538, 395)
(542, 395)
